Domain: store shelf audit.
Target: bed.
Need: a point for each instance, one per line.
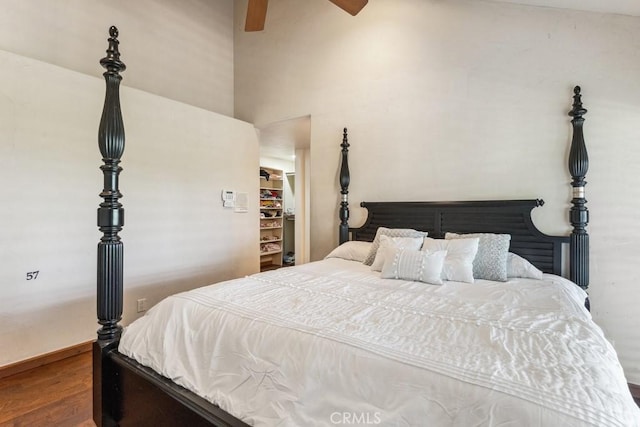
(337, 342)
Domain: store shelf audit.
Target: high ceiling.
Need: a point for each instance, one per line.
(621, 7)
(281, 139)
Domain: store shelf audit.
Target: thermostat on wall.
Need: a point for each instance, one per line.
(228, 198)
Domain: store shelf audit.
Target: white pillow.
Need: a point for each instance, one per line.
(388, 244)
(391, 232)
(491, 260)
(418, 266)
(520, 267)
(458, 265)
(352, 250)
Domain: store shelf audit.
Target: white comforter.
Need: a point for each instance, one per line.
(330, 343)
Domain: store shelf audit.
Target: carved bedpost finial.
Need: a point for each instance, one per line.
(577, 109)
(112, 61)
(344, 190)
(578, 214)
(110, 212)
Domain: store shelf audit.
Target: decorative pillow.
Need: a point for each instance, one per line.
(491, 260)
(388, 244)
(418, 266)
(352, 250)
(391, 232)
(520, 267)
(458, 265)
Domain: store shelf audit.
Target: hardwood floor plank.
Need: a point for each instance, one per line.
(69, 411)
(57, 394)
(45, 359)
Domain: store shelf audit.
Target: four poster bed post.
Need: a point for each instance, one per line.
(110, 222)
(344, 190)
(579, 215)
(128, 393)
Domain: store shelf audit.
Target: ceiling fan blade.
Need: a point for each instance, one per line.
(256, 15)
(351, 6)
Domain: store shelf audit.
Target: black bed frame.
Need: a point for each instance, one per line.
(126, 393)
(490, 216)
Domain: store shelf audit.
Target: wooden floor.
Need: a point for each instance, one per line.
(57, 394)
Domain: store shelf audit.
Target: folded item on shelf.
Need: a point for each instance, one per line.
(269, 247)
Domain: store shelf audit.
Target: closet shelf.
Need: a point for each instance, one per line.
(271, 202)
(270, 241)
(271, 253)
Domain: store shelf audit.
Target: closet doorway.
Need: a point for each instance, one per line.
(285, 145)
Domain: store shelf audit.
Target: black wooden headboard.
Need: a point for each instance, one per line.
(494, 216)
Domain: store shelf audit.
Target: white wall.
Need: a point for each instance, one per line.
(177, 236)
(462, 100)
(182, 50)
(177, 50)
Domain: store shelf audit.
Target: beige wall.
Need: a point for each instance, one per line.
(178, 157)
(182, 50)
(177, 235)
(462, 100)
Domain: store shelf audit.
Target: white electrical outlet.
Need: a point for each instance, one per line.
(142, 305)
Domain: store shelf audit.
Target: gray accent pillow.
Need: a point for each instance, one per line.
(391, 232)
(418, 266)
(491, 260)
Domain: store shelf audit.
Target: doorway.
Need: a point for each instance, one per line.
(285, 145)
